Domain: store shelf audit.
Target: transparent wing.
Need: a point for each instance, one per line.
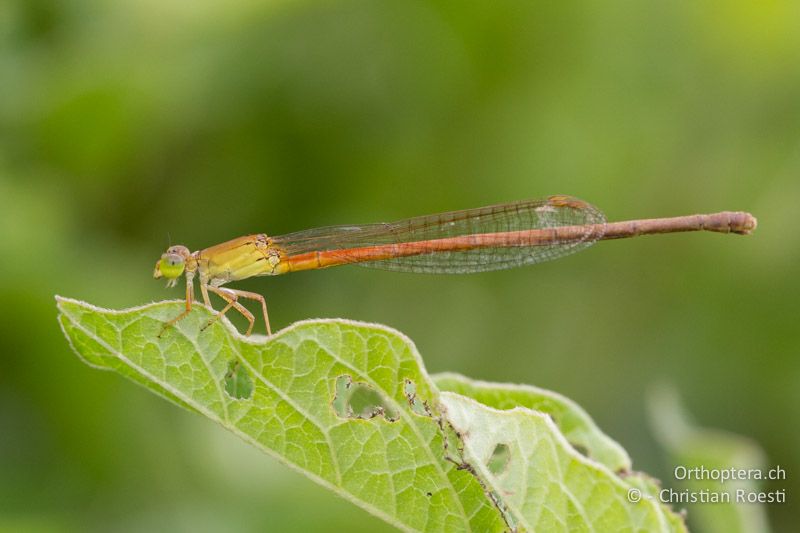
(473, 240)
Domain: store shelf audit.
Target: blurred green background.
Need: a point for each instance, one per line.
(124, 125)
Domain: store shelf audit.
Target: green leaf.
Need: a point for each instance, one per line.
(573, 422)
(351, 406)
(693, 447)
(546, 485)
(393, 469)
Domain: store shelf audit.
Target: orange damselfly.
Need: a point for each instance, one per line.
(473, 240)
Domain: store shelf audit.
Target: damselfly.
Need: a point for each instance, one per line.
(459, 242)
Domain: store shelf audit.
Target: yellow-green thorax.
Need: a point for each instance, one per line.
(240, 258)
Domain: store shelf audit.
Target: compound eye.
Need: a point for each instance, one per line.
(171, 265)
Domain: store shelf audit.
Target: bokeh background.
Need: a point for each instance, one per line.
(128, 125)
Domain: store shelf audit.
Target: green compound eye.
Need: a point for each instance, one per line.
(171, 265)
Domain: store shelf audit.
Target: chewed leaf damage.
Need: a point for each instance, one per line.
(360, 401)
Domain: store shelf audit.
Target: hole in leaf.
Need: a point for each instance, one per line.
(238, 383)
(581, 449)
(359, 400)
(498, 462)
(419, 407)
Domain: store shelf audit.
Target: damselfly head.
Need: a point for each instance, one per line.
(171, 264)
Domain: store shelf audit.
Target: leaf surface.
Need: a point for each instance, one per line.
(573, 422)
(351, 406)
